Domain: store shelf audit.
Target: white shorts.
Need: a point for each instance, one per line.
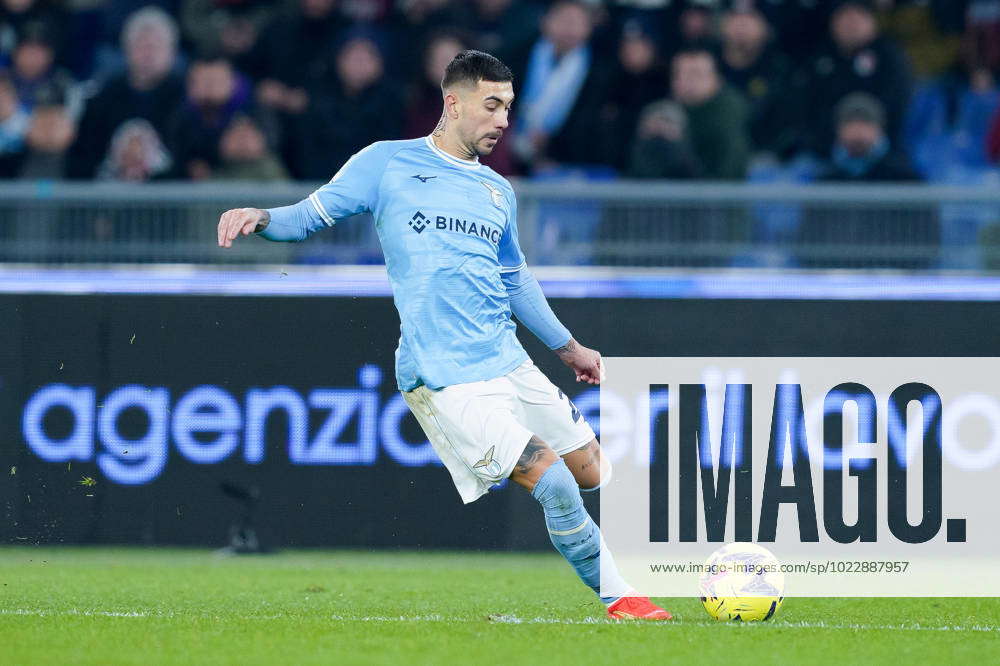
(480, 429)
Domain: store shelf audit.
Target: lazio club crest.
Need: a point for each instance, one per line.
(495, 194)
(488, 466)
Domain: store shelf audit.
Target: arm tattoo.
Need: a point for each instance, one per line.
(264, 220)
(533, 452)
(566, 348)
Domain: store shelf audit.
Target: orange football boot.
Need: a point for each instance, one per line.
(637, 608)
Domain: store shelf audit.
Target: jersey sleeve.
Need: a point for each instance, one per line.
(528, 304)
(511, 256)
(354, 188)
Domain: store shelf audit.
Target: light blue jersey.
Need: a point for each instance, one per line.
(449, 234)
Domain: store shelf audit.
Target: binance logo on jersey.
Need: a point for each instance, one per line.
(419, 222)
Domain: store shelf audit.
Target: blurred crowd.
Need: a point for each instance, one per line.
(850, 90)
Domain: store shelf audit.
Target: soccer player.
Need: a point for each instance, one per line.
(448, 229)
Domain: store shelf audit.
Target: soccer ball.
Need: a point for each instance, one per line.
(742, 582)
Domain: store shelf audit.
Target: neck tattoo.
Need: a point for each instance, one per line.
(439, 130)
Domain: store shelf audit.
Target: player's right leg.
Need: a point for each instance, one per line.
(589, 465)
(550, 415)
(544, 474)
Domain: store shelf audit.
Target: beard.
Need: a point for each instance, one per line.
(484, 146)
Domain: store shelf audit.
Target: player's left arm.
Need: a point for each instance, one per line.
(528, 304)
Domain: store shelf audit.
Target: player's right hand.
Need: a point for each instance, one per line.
(239, 221)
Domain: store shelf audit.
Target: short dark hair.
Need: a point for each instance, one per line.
(472, 66)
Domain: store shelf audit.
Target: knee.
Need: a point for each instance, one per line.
(557, 488)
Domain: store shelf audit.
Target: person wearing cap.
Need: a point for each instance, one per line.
(856, 58)
(862, 151)
(867, 236)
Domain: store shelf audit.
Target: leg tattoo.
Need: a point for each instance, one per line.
(531, 456)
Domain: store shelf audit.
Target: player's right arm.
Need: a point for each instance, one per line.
(288, 223)
(352, 190)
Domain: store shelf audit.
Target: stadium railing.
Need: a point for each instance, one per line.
(626, 224)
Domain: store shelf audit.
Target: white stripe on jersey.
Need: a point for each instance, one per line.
(506, 269)
(319, 209)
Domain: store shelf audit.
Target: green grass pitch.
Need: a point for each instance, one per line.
(160, 606)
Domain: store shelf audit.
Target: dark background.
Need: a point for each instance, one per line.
(304, 342)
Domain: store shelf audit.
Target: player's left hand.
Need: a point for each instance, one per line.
(585, 362)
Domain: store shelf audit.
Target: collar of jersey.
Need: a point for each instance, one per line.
(468, 164)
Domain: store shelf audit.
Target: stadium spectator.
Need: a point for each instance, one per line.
(215, 95)
(662, 146)
(41, 141)
(563, 98)
(695, 25)
(231, 28)
(949, 120)
(50, 134)
(18, 15)
(862, 151)
(33, 70)
(857, 58)
(348, 111)
(751, 64)
(907, 239)
(503, 28)
(717, 115)
(293, 51)
(639, 80)
(244, 154)
(136, 154)
(147, 89)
